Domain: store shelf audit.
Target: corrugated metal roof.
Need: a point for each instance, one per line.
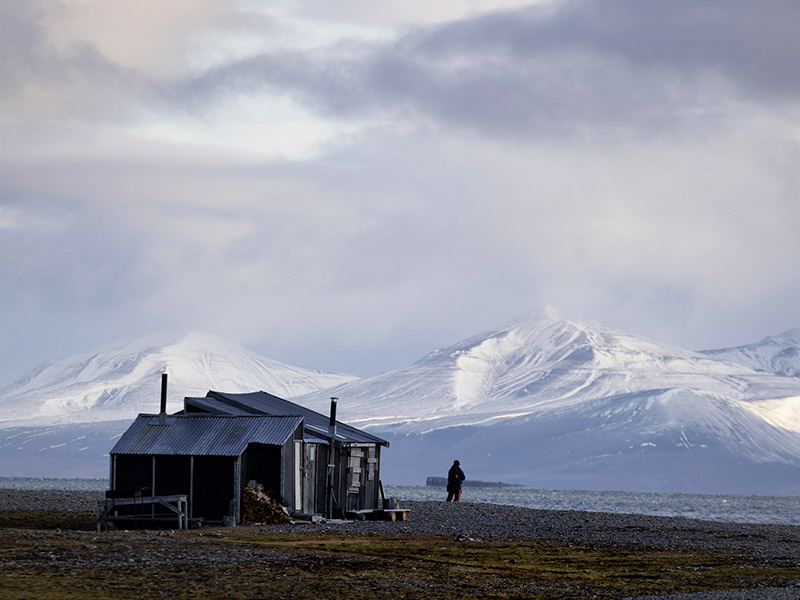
(204, 435)
(214, 406)
(309, 435)
(315, 423)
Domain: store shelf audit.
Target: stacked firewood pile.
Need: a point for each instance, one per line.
(258, 507)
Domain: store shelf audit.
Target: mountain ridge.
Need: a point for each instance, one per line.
(541, 401)
(120, 379)
(778, 354)
(540, 361)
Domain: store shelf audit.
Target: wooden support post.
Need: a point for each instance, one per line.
(191, 486)
(237, 498)
(111, 473)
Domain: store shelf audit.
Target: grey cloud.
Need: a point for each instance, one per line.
(400, 242)
(77, 256)
(560, 68)
(408, 237)
(572, 67)
(752, 43)
(21, 36)
(44, 83)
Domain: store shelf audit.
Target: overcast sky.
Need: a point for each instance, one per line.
(349, 185)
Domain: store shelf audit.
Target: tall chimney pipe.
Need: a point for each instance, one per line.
(332, 422)
(163, 412)
(329, 501)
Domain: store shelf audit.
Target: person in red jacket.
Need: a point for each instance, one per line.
(455, 476)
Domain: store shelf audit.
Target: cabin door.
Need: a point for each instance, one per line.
(355, 479)
(298, 476)
(310, 479)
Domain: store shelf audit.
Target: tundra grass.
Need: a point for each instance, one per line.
(63, 562)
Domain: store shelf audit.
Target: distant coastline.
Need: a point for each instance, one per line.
(97, 484)
(442, 482)
(731, 508)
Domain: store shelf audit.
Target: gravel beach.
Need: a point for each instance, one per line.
(765, 544)
(478, 520)
(49, 500)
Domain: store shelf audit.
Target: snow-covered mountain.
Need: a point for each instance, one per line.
(118, 381)
(63, 418)
(540, 363)
(543, 401)
(550, 402)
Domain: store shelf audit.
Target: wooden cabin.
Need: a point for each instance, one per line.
(206, 458)
(356, 453)
(205, 455)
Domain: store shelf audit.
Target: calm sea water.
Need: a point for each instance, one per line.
(732, 508)
(737, 509)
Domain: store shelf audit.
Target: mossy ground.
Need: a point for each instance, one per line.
(47, 555)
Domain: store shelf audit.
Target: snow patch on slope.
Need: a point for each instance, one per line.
(780, 412)
(477, 368)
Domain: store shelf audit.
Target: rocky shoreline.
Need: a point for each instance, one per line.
(764, 544)
(482, 520)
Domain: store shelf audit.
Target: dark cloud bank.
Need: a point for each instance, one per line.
(551, 69)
